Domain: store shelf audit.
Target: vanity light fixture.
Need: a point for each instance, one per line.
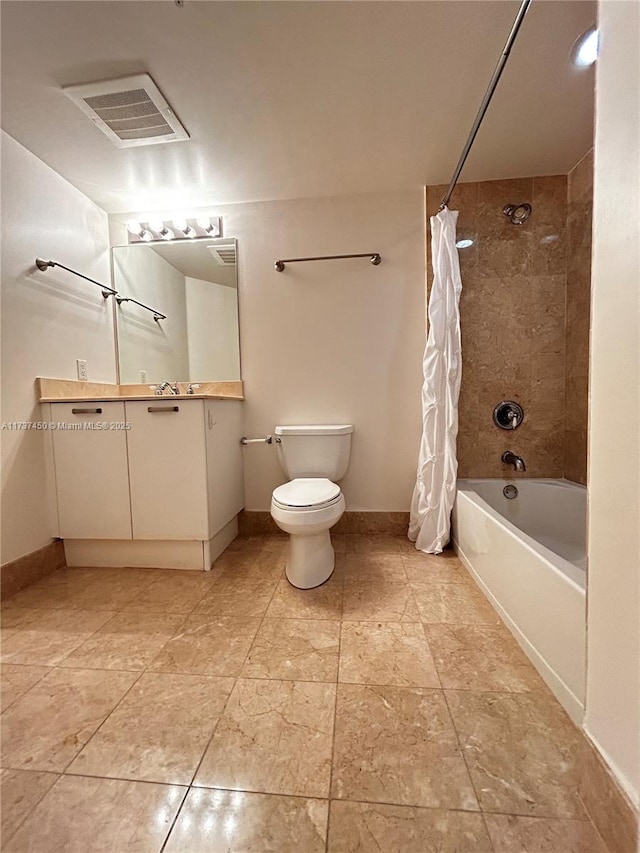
(180, 228)
(211, 228)
(182, 225)
(135, 228)
(159, 227)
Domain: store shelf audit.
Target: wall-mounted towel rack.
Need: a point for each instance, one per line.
(157, 315)
(374, 257)
(44, 265)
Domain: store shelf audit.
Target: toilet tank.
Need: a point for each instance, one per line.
(314, 450)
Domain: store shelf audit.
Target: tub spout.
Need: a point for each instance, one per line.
(510, 458)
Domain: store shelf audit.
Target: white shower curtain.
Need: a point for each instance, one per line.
(435, 489)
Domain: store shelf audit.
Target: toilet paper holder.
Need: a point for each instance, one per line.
(268, 439)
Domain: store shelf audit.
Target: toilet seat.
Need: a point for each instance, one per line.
(305, 493)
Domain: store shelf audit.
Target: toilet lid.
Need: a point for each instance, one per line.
(306, 491)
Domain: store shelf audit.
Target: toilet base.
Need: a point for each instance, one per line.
(311, 559)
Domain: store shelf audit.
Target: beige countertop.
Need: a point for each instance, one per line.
(132, 397)
(75, 391)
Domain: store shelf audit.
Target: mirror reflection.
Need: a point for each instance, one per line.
(194, 285)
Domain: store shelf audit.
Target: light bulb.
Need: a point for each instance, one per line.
(585, 50)
(180, 223)
(134, 227)
(167, 234)
(157, 225)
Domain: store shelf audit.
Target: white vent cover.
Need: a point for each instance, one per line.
(130, 111)
(224, 252)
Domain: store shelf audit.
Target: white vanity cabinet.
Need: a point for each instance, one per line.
(92, 488)
(168, 469)
(164, 492)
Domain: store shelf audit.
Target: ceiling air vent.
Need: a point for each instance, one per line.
(224, 252)
(130, 111)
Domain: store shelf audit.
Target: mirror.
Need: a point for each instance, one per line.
(194, 285)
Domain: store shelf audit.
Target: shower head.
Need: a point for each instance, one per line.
(517, 213)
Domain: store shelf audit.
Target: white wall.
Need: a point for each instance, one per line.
(334, 341)
(612, 716)
(159, 348)
(212, 320)
(49, 319)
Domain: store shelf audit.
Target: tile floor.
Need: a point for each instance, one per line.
(388, 710)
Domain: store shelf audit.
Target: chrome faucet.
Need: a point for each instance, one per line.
(510, 458)
(173, 389)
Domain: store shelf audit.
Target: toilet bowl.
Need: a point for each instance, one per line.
(306, 509)
(310, 504)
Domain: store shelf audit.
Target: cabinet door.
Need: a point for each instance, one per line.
(224, 461)
(167, 469)
(92, 481)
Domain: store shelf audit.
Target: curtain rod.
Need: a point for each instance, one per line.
(524, 7)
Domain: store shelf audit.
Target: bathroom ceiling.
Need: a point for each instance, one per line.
(298, 99)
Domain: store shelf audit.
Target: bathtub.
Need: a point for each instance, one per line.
(528, 555)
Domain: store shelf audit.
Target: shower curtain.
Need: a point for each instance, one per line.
(435, 489)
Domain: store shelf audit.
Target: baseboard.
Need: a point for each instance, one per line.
(26, 570)
(254, 523)
(614, 815)
(143, 554)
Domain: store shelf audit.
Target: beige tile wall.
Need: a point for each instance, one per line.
(513, 322)
(580, 207)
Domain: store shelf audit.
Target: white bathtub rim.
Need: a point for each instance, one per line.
(563, 693)
(574, 575)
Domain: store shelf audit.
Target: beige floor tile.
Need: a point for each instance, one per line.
(113, 591)
(274, 737)
(221, 821)
(263, 565)
(99, 816)
(127, 641)
(398, 745)
(228, 583)
(371, 568)
(48, 726)
(481, 657)
(540, 835)
(48, 636)
(16, 679)
(453, 603)
(384, 601)
(375, 544)
(372, 828)
(13, 617)
(435, 568)
(159, 732)
(20, 793)
(243, 601)
(50, 593)
(521, 750)
(395, 653)
(172, 594)
(208, 645)
(296, 649)
(323, 602)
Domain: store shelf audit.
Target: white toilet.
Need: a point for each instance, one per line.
(306, 507)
